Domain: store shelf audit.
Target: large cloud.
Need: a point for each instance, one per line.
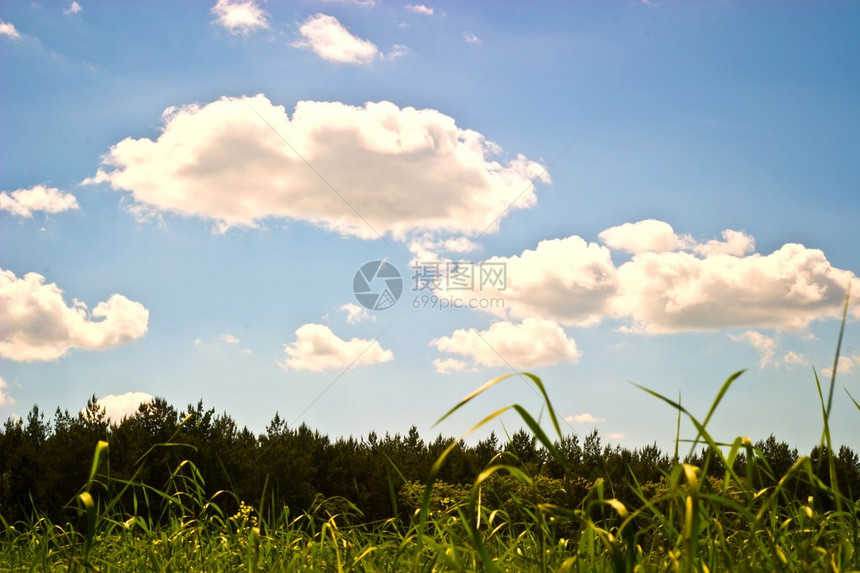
(360, 171)
(533, 343)
(37, 324)
(240, 16)
(317, 348)
(23, 202)
(672, 283)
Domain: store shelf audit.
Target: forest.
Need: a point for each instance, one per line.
(45, 461)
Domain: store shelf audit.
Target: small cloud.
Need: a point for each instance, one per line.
(355, 313)
(616, 436)
(419, 9)
(119, 406)
(240, 16)
(584, 418)
(532, 343)
(397, 51)
(472, 38)
(648, 236)
(230, 339)
(246, 351)
(7, 29)
(846, 365)
(74, 8)
(764, 345)
(364, 3)
(331, 41)
(5, 399)
(317, 348)
(735, 243)
(446, 365)
(24, 202)
(792, 357)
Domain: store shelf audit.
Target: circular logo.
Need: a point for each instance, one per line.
(377, 285)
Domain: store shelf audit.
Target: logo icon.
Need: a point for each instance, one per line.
(377, 285)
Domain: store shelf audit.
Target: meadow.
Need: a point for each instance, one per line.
(726, 506)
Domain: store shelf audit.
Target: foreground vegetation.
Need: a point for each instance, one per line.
(535, 504)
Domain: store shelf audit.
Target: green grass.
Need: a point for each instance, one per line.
(688, 521)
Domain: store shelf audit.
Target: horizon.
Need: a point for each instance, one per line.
(354, 213)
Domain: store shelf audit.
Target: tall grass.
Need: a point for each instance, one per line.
(689, 521)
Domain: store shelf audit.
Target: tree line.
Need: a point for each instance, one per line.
(45, 461)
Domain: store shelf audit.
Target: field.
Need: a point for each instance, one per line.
(687, 521)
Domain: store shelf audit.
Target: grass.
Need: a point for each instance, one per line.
(687, 522)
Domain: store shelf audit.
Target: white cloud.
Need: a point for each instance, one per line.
(616, 436)
(119, 406)
(764, 345)
(365, 3)
(8, 29)
(533, 343)
(658, 291)
(317, 348)
(36, 324)
(792, 357)
(397, 51)
(403, 170)
(230, 339)
(420, 9)
(649, 235)
(5, 399)
(355, 313)
(471, 38)
(735, 243)
(846, 365)
(446, 365)
(584, 418)
(678, 291)
(24, 202)
(329, 40)
(74, 8)
(568, 280)
(240, 16)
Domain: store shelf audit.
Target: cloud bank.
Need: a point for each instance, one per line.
(671, 283)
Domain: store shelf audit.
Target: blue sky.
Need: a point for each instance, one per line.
(671, 188)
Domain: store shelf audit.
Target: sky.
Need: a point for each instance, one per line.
(353, 213)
